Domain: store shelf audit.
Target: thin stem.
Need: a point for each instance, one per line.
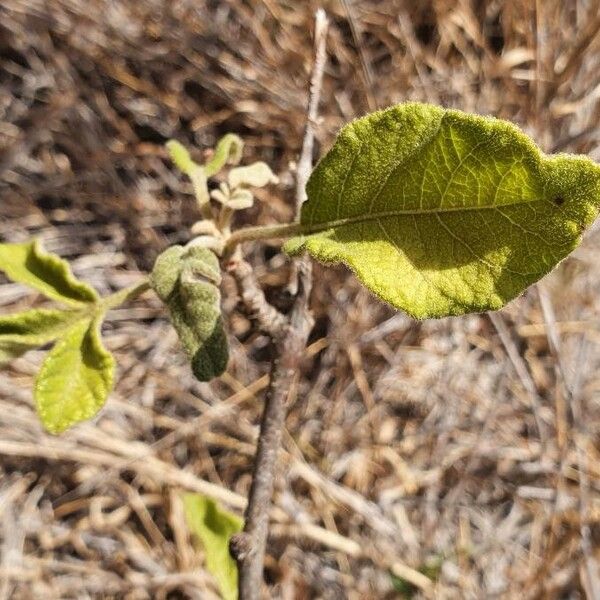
(289, 229)
(125, 295)
(247, 234)
(312, 114)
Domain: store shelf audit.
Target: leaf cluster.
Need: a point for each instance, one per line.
(77, 373)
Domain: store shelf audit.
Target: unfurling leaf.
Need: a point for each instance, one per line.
(258, 174)
(228, 151)
(181, 157)
(76, 377)
(187, 280)
(443, 213)
(214, 527)
(48, 273)
(26, 330)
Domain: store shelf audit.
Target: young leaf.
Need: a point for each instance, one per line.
(240, 199)
(257, 174)
(26, 330)
(76, 377)
(228, 151)
(48, 273)
(186, 280)
(214, 527)
(442, 213)
(181, 157)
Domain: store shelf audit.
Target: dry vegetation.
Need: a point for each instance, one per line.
(470, 444)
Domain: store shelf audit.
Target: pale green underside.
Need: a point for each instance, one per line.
(443, 213)
(29, 264)
(26, 330)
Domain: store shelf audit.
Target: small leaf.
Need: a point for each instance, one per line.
(181, 157)
(228, 151)
(442, 213)
(26, 330)
(76, 377)
(187, 280)
(197, 174)
(220, 196)
(48, 273)
(214, 527)
(258, 174)
(240, 199)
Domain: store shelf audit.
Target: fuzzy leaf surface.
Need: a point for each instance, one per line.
(181, 157)
(187, 280)
(29, 264)
(440, 213)
(228, 151)
(76, 377)
(258, 174)
(32, 328)
(214, 527)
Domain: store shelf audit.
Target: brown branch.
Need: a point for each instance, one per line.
(248, 548)
(269, 319)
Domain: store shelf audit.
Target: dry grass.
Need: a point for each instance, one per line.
(470, 442)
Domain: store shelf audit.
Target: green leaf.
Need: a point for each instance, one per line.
(76, 377)
(443, 213)
(181, 157)
(48, 273)
(187, 280)
(214, 527)
(228, 151)
(26, 330)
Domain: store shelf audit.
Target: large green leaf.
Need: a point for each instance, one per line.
(25, 330)
(76, 377)
(48, 273)
(214, 527)
(443, 213)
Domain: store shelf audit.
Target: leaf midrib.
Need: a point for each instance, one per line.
(318, 227)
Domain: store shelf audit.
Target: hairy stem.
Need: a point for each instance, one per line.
(247, 234)
(125, 295)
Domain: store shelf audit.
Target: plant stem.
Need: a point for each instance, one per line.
(125, 295)
(249, 547)
(247, 234)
